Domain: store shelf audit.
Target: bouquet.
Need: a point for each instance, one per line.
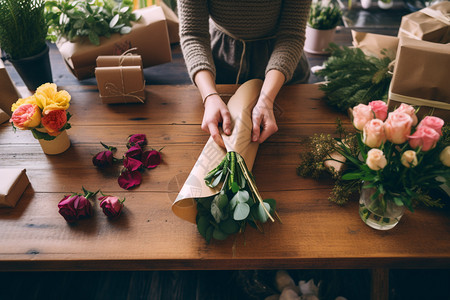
(400, 160)
(44, 113)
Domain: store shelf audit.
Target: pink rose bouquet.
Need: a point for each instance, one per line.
(44, 113)
(402, 159)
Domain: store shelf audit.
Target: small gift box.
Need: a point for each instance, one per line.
(13, 183)
(421, 77)
(429, 24)
(3, 116)
(120, 79)
(8, 91)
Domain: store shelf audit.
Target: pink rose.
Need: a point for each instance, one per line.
(54, 120)
(408, 109)
(74, 207)
(373, 133)
(129, 179)
(424, 137)
(137, 139)
(151, 159)
(376, 159)
(361, 115)
(26, 116)
(112, 206)
(432, 122)
(398, 127)
(132, 164)
(380, 109)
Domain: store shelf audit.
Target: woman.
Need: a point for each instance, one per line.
(228, 41)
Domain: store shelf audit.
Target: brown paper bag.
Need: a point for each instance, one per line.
(372, 44)
(13, 183)
(121, 84)
(8, 91)
(429, 24)
(149, 36)
(240, 107)
(421, 77)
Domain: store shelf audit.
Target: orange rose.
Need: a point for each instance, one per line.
(53, 121)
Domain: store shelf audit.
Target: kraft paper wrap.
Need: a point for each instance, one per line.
(3, 116)
(13, 183)
(149, 36)
(119, 60)
(240, 107)
(421, 77)
(429, 24)
(372, 44)
(121, 84)
(172, 23)
(8, 91)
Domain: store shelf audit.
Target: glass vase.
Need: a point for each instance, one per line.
(376, 214)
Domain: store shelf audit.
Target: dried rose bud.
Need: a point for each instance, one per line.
(134, 152)
(151, 159)
(103, 159)
(129, 179)
(132, 164)
(112, 206)
(137, 140)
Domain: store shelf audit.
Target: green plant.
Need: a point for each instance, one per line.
(23, 29)
(324, 17)
(71, 19)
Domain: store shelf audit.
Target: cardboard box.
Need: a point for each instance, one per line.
(421, 77)
(13, 183)
(149, 36)
(373, 44)
(429, 24)
(121, 84)
(119, 60)
(3, 116)
(8, 91)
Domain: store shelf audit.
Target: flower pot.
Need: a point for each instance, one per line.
(365, 4)
(317, 40)
(34, 70)
(56, 146)
(385, 5)
(375, 213)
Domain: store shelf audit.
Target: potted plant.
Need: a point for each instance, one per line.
(23, 32)
(321, 27)
(385, 4)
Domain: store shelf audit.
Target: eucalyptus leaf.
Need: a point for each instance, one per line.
(125, 30)
(229, 226)
(114, 21)
(262, 215)
(93, 37)
(219, 234)
(215, 212)
(241, 211)
(242, 196)
(222, 200)
(209, 234)
(272, 203)
(202, 225)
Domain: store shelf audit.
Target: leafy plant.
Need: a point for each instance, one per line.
(353, 77)
(72, 19)
(324, 17)
(23, 29)
(237, 203)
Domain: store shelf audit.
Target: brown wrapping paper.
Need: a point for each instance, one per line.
(372, 44)
(240, 107)
(429, 24)
(3, 116)
(8, 91)
(172, 23)
(119, 60)
(149, 36)
(421, 77)
(121, 84)
(13, 183)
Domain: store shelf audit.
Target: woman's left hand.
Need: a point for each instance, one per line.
(263, 119)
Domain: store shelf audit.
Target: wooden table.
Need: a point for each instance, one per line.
(315, 232)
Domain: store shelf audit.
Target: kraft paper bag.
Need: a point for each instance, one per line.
(240, 107)
(149, 36)
(373, 44)
(8, 91)
(429, 24)
(421, 77)
(13, 183)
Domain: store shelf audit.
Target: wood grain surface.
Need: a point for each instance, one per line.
(315, 232)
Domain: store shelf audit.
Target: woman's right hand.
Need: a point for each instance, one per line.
(216, 113)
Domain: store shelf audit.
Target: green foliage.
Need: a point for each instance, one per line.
(354, 78)
(324, 17)
(23, 28)
(237, 203)
(93, 19)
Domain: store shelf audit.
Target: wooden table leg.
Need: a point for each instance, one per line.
(379, 289)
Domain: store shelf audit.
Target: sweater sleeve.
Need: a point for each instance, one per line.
(195, 40)
(290, 37)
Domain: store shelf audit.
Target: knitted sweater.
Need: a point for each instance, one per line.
(244, 19)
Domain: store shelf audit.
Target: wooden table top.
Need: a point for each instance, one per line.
(315, 232)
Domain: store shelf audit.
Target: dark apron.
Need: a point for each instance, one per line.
(238, 60)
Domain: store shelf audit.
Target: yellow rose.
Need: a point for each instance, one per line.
(48, 98)
(28, 100)
(409, 159)
(445, 156)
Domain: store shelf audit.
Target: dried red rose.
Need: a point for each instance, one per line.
(132, 164)
(151, 159)
(137, 140)
(129, 179)
(103, 159)
(134, 152)
(112, 206)
(76, 206)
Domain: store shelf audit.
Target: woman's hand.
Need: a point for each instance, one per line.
(263, 119)
(216, 113)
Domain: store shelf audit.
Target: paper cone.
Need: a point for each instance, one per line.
(240, 107)
(56, 146)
